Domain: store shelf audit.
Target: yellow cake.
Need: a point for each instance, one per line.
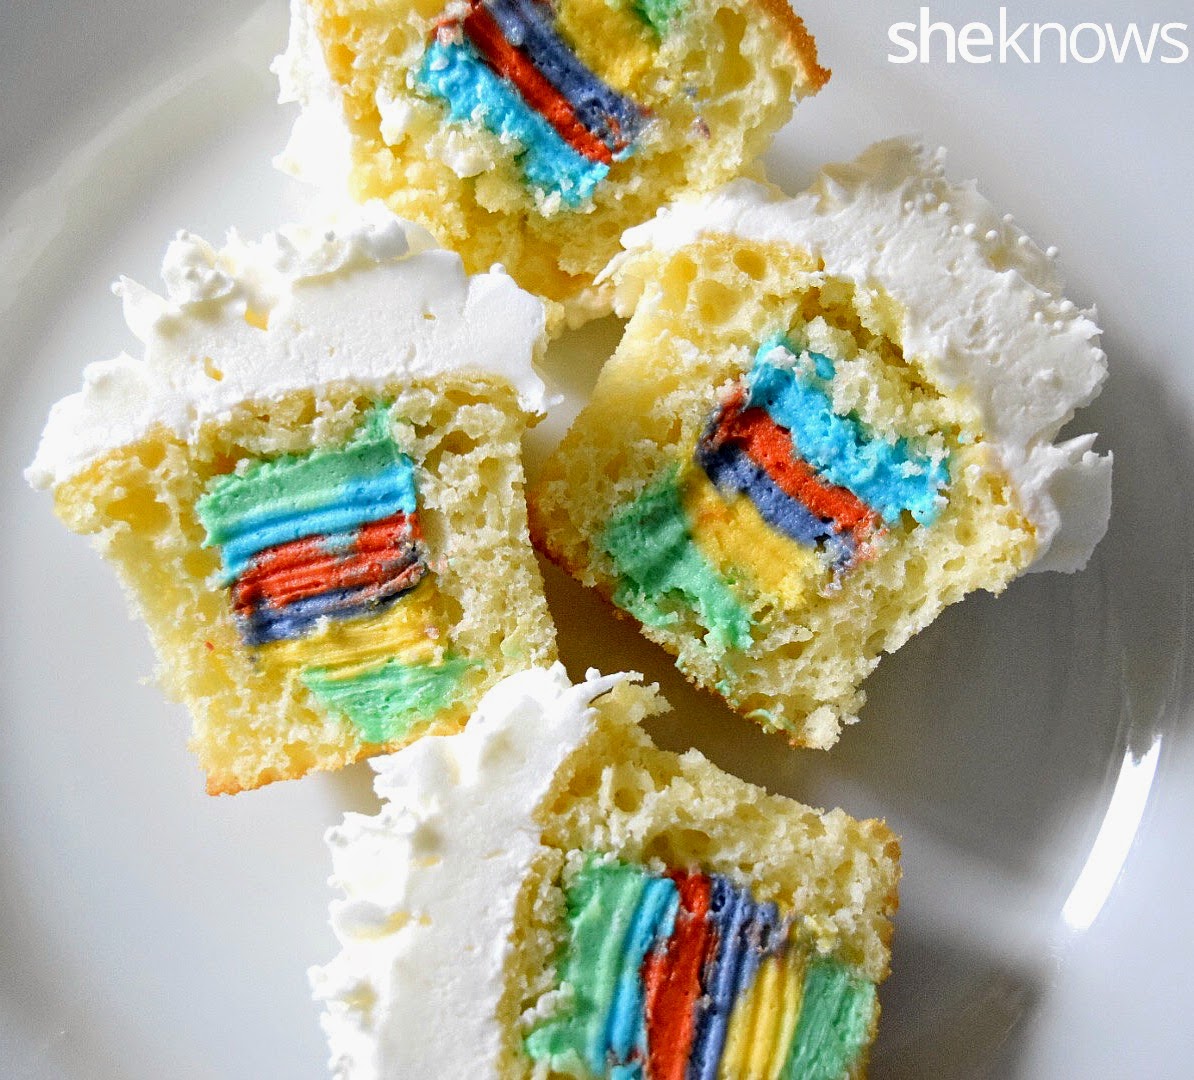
(830, 417)
(311, 487)
(532, 134)
(553, 896)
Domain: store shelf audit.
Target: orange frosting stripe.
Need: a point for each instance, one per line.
(303, 568)
(672, 980)
(770, 447)
(486, 36)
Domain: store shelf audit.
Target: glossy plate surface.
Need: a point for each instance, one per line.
(1035, 751)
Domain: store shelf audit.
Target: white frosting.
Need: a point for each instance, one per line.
(319, 150)
(396, 115)
(466, 154)
(367, 301)
(431, 884)
(983, 312)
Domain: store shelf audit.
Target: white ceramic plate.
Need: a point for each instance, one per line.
(1035, 752)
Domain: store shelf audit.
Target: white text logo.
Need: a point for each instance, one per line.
(1036, 43)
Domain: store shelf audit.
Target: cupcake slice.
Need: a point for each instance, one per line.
(830, 417)
(311, 487)
(533, 133)
(551, 895)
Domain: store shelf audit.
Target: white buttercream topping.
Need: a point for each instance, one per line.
(431, 884)
(983, 312)
(367, 302)
(396, 114)
(319, 149)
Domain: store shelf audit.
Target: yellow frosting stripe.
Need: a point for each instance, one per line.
(768, 1011)
(736, 1056)
(764, 1021)
(408, 630)
(733, 536)
(611, 40)
(792, 967)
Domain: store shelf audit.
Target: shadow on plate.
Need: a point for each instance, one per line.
(956, 1018)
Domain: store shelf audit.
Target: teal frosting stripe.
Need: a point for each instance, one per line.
(324, 491)
(836, 1016)
(601, 906)
(651, 543)
(617, 914)
(385, 702)
(889, 476)
(353, 504)
(654, 920)
(453, 72)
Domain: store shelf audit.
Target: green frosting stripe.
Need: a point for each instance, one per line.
(601, 910)
(323, 491)
(299, 479)
(836, 1015)
(652, 545)
(659, 14)
(386, 701)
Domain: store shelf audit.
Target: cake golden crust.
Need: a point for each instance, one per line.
(813, 75)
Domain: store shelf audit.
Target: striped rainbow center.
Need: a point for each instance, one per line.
(782, 495)
(685, 976)
(505, 64)
(326, 567)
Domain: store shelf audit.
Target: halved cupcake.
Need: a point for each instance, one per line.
(533, 133)
(311, 487)
(830, 417)
(551, 895)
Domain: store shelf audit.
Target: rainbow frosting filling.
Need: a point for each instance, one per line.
(685, 976)
(783, 495)
(505, 64)
(324, 559)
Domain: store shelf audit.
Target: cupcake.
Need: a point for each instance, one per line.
(530, 133)
(311, 487)
(830, 417)
(551, 895)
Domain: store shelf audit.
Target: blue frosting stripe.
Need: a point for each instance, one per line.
(891, 477)
(352, 504)
(654, 919)
(747, 931)
(759, 941)
(455, 73)
(299, 617)
(527, 25)
(732, 470)
(730, 909)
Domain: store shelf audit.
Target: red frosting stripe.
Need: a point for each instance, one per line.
(770, 446)
(672, 980)
(381, 550)
(486, 36)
